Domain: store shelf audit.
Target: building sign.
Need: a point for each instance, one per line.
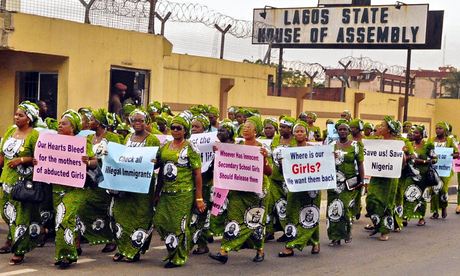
(335, 2)
(377, 27)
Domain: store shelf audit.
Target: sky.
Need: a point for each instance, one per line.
(198, 39)
(201, 40)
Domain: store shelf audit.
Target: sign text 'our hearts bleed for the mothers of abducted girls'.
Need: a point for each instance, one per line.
(238, 167)
(309, 168)
(59, 160)
(383, 158)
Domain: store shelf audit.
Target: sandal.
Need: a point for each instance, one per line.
(369, 227)
(334, 243)
(109, 247)
(384, 237)
(17, 260)
(404, 222)
(435, 216)
(118, 257)
(421, 222)
(200, 250)
(136, 258)
(6, 248)
(348, 240)
(64, 263)
(315, 249)
(397, 230)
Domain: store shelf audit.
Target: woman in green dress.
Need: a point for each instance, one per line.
(132, 212)
(313, 132)
(302, 223)
(179, 192)
(381, 193)
(23, 218)
(439, 195)
(246, 218)
(415, 189)
(98, 217)
(276, 217)
(356, 127)
(349, 159)
(69, 202)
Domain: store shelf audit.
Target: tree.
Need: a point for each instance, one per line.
(452, 85)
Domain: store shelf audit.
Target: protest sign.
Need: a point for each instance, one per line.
(309, 168)
(444, 164)
(456, 164)
(238, 167)
(128, 169)
(266, 142)
(219, 196)
(59, 160)
(383, 158)
(204, 142)
(164, 138)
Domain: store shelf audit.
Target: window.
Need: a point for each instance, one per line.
(39, 86)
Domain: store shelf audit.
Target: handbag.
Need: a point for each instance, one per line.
(352, 183)
(94, 177)
(28, 191)
(432, 177)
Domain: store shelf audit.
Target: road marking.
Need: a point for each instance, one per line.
(18, 272)
(82, 261)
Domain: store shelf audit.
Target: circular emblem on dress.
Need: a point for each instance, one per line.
(388, 222)
(183, 156)
(170, 172)
(98, 224)
(171, 242)
(309, 216)
(194, 218)
(427, 195)
(280, 206)
(207, 222)
(34, 230)
(340, 176)
(196, 236)
(313, 194)
(290, 231)
(253, 217)
(25, 170)
(444, 198)
(10, 212)
(335, 210)
(340, 187)
(183, 224)
(11, 147)
(80, 226)
(399, 211)
(351, 204)
(60, 212)
(138, 238)
(100, 149)
(339, 157)
(45, 216)
(412, 193)
(277, 155)
(375, 219)
(19, 232)
(118, 230)
(438, 187)
(258, 233)
(68, 236)
(112, 202)
(231, 231)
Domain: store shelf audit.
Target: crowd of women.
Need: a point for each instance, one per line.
(178, 204)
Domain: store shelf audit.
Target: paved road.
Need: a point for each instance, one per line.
(429, 250)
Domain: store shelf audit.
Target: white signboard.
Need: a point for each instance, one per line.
(335, 2)
(383, 158)
(368, 26)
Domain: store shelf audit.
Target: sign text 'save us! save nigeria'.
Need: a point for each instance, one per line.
(377, 26)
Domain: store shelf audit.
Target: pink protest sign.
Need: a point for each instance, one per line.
(457, 163)
(219, 196)
(59, 160)
(238, 167)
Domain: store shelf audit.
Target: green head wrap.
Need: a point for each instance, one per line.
(257, 123)
(407, 123)
(273, 122)
(443, 125)
(287, 120)
(300, 123)
(140, 112)
(197, 110)
(74, 119)
(123, 127)
(302, 114)
(100, 115)
(369, 126)
(246, 112)
(128, 108)
(51, 123)
(342, 122)
(213, 110)
(230, 127)
(393, 125)
(312, 115)
(162, 119)
(180, 120)
(166, 109)
(358, 123)
(85, 112)
(154, 107)
(232, 109)
(204, 120)
(31, 111)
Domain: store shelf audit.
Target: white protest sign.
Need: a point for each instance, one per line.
(204, 142)
(383, 158)
(309, 168)
(445, 159)
(266, 142)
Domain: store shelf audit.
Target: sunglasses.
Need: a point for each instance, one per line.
(176, 128)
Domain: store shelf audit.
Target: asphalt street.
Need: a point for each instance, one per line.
(429, 250)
